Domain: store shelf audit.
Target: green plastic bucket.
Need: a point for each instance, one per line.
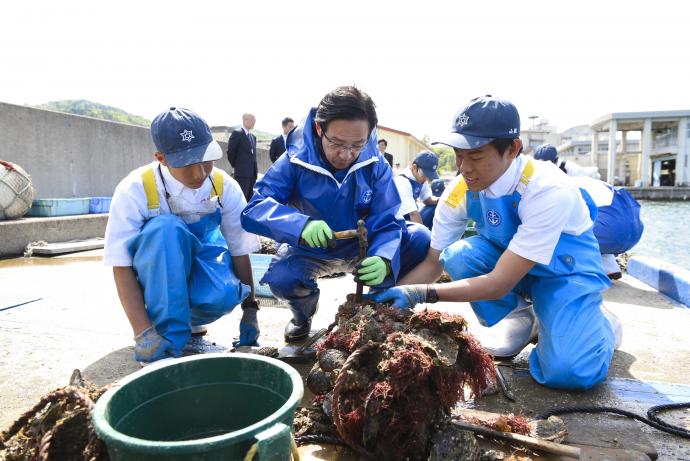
(206, 407)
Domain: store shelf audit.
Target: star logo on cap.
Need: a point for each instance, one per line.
(187, 135)
(463, 120)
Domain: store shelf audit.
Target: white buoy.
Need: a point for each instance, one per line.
(16, 191)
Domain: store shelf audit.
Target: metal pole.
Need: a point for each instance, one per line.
(363, 247)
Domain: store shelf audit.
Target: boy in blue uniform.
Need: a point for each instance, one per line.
(331, 176)
(412, 184)
(549, 153)
(535, 240)
(618, 226)
(428, 212)
(179, 255)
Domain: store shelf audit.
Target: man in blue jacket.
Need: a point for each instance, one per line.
(331, 176)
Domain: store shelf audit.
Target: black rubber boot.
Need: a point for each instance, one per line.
(294, 332)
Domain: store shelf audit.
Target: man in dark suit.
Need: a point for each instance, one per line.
(242, 155)
(278, 143)
(382, 148)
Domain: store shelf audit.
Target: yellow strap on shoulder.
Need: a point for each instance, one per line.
(149, 179)
(458, 195)
(527, 173)
(218, 180)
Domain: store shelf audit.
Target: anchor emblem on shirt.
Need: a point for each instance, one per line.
(493, 217)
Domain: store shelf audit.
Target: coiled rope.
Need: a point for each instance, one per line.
(651, 420)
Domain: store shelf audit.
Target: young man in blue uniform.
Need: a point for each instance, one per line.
(331, 176)
(535, 240)
(179, 254)
(412, 184)
(428, 212)
(618, 226)
(549, 153)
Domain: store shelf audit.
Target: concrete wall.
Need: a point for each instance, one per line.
(17, 234)
(74, 156)
(659, 193)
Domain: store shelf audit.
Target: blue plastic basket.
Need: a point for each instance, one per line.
(59, 207)
(260, 265)
(99, 204)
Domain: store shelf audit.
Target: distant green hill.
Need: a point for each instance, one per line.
(93, 109)
(263, 135)
(260, 135)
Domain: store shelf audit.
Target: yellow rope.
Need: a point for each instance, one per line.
(293, 449)
(252, 451)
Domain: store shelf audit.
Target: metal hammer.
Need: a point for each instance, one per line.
(361, 234)
(338, 235)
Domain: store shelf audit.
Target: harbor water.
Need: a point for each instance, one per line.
(666, 232)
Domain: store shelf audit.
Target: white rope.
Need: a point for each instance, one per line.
(16, 191)
(29, 250)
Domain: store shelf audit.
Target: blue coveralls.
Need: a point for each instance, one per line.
(618, 226)
(429, 211)
(416, 190)
(576, 341)
(298, 187)
(186, 274)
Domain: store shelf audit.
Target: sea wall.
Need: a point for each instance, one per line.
(659, 193)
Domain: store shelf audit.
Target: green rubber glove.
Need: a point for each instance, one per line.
(372, 270)
(317, 234)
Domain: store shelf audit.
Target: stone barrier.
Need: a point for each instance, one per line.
(667, 278)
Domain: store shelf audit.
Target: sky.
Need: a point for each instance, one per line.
(568, 62)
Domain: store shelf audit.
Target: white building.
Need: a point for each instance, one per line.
(576, 146)
(401, 144)
(662, 156)
(542, 133)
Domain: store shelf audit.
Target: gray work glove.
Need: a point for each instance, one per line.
(149, 346)
(249, 324)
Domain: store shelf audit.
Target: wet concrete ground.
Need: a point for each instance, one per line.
(73, 319)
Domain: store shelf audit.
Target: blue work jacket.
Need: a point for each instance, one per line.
(299, 187)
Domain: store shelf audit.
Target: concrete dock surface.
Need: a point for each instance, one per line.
(62, 313)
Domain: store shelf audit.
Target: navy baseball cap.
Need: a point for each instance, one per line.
(184, 138)
(428, 162)
(437, 187)
(484, 119)
(546, 152)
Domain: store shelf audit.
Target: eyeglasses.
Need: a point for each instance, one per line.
(355, 148)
